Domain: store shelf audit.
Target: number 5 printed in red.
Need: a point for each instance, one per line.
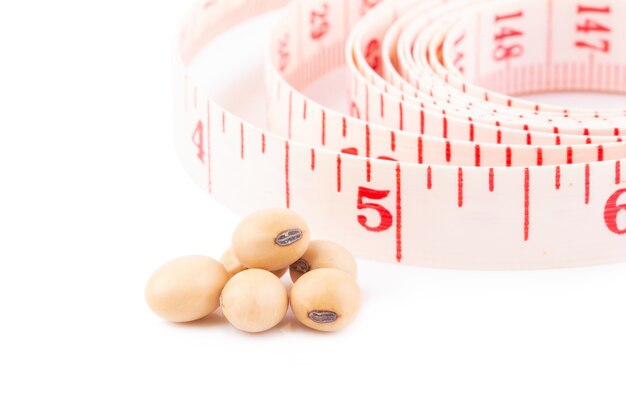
(385, 217)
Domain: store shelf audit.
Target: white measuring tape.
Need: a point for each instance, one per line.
(438, 164)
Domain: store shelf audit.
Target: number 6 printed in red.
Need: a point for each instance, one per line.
(386, 218)
(611, 212)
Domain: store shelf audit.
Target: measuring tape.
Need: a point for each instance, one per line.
(438, 164)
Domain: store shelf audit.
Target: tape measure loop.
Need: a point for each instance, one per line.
(438, 163)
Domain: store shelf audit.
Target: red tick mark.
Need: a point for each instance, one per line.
(460, 187)
(526, 204)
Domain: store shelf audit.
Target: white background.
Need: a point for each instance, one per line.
(92, 199)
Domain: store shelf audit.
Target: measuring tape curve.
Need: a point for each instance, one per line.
(440, 163)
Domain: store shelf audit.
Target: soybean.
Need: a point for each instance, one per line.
(326, 299)
(271, 239)
(254, 301)
(323, 254)
(186, 289)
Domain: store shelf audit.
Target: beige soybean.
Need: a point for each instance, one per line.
(271, 239)
(254, 301)
(186, 289)
(231, 263)
(233, 266)
(323, 254)
(326, 299)
(281, 272)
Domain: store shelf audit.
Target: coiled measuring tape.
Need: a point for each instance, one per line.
(438, 164)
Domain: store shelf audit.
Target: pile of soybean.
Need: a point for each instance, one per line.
(246, 281)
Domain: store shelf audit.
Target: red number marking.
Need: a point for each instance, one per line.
(386, 218)
(515, 15)
(355, 152)
(319, 22)
(503, 53)
(611, 212)
(593, 9)
(507, 33)
(592, 26)
(198, 140)
(372, 54)
(458, 59)
(283, 52)
(589, 26)
(503, 50)
(457, 62)
(367, 5)
(603, 46)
